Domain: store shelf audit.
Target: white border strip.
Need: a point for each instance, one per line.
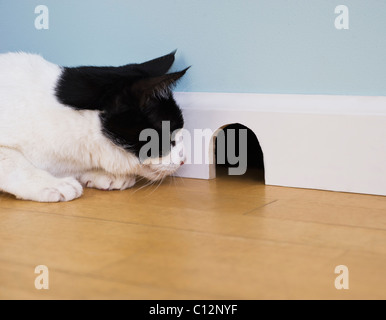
(284, 103)
(335, 143)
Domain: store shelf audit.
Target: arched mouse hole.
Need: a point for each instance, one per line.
(238, 152)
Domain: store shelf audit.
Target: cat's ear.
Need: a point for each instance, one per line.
(156, 86)
(159, 66)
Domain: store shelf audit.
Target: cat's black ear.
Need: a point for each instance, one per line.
(156, 86)
(159, 66)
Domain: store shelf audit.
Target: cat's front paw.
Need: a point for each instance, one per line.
(105, 181)
(62, 190)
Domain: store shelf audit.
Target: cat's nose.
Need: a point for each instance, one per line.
(182, 163)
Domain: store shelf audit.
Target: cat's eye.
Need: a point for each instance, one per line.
(173, 143)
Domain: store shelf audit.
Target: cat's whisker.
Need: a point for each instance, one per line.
(158, 181)
(149, 183)
(179, 178)
(175, 180)
(140, 179)
(157, 186)
(171, 181)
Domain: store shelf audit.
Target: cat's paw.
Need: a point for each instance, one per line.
(105, 181)
(62, 190)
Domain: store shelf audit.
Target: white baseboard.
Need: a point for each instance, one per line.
(333, 143)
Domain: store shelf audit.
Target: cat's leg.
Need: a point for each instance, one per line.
(19, 177)
(102, 180)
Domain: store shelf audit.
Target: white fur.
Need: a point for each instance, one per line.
(48, 149)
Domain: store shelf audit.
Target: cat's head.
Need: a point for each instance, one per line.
(144, 118)
(132, 99)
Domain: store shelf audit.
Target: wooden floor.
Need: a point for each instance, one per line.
(229, 238)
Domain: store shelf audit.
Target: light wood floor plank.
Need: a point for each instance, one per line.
(231, 237)
(19, 284)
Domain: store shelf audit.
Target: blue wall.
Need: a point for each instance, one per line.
(266, 46)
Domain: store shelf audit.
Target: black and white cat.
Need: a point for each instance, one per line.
(62, 129)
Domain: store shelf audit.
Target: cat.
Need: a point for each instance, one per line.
(63, 129)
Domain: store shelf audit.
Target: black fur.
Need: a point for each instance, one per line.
(131, 98)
